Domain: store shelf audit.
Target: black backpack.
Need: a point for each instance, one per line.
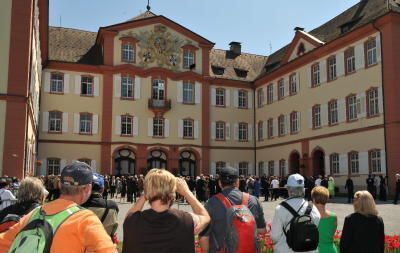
(303, 234)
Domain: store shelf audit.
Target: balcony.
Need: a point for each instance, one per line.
(159, 106)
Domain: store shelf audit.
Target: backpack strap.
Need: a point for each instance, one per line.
(289, 208)
(309, 209)
(103, 218)
(245, 199)
(224, 200)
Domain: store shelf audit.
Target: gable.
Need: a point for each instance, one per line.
(302, 43)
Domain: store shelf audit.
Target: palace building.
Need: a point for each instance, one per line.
(150, 93)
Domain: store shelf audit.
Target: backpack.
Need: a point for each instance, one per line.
(37, 235)
(12, 218)
(241, 230)
(303, 234)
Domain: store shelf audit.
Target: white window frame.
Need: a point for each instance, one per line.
(334, 163)
(333, 112)
(220, 131)
(128, 52)
(260, 130)
(188, 58)
(352, 108)
(293, 84)
(188, 92)
(371, 52)
(55, 123)
(281, 89)
(85, 123)
(158, 127)
(87, 81)
(373, 102)
(294, 123)
(260, 97)
(242, 99)
(243, 131)
(271, 168)
(354, 163)
(375, 161)
(53, 166)
(316, 114)
(188, 128)
(281, 125)
(126, 125)
(270, 126)
(127, 87)
(56, 83)
(316, 74)
(220, 97)
(332, 74)
(350, 61)
(244, 168)
(270, 93)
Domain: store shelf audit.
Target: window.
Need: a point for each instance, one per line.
(242, 97)
(334, 163)
(87, 86)
(333, 112)
(243, 130)
(271, 169)
(281, 125)
(158, 127)
(315, 75)
(261, 168)
(220, 131)
(270, 93)
(220, 97)
(350, 61)
(128, 52)
(243, 168)
(375, 161)
(294, 122)
(351, 107)
(260, 97)
(270, 125)
(371, 52)
(316, 115)
(187, 128)
(332, 68)
(56, 83)
(293, 84)
(260, 130)
(372, 102)
(188, 58)
(353, 162)
(55, 122)
(219, 166)
(188, 93)
(158, 89)
(126, 125)
(126, 87)
(281, 89)
(282, 168)
(85, 123)
(53, 166)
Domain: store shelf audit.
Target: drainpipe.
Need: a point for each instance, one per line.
(254, 130)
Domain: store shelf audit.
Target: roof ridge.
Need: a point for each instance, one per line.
(217, 49)
(71, 28)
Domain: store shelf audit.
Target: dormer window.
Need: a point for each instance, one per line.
(189, 57)
(128, 49)
(218, 70)
(241, 72)
(301, 49)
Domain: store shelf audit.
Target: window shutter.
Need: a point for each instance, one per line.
(265, 91)
(298, 82)
(309, 77)
(310, 119)
(256, 97)
(78, 84)
(95, 122)
(166, 127)
(363, 161)
(63, 163)
(213, 169)
(65, 122)
(250, 132)
(117, 86)
(274, 92)
(378, 48)
(275, 127)
(341, 103)
(276, 168)
(93, 165)
(138, 84)
(179, 92)
(251, 169)
(380, 100)
(343, 164)
(213, 130)
(299, 121)
(118, 125)
(197, 93)
(96, 86)
(250, 99)
(340, 64)
(236, 131)
(327, 165)
(135, 126)
(228, 97)
(359, 56)
(285, 172)
(235, 98)
(322, 71)
(383, 161)
(45, 122)
(227, 131)
(265, 130)
(180, 128)
(47, 77)
(324, 115)
(213, 96)
(43, 167)
(196, 129)
(150, 127)
(66, 83)
(286, 86)
(361, 105)
(76, 123)
(286, 117)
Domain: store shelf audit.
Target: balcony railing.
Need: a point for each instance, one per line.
(160, 105)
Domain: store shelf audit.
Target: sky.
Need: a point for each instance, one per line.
(262, 26)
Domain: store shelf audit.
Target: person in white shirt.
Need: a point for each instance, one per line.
(275, 188)
(6, 196)
(283, 217)
(318, 181)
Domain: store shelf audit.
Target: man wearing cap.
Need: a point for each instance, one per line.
(106, 210)
(397, 193)
(213, 236)
(82, 231)
(282, 217)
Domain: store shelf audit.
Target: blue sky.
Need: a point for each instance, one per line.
(263, 26)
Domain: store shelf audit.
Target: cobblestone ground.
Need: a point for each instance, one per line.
(389, 212)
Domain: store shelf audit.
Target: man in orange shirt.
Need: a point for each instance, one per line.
(81, 231)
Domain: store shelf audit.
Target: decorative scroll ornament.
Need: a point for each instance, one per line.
(159, 46)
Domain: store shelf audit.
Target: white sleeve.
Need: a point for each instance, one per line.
(276, 227)
(9, 195)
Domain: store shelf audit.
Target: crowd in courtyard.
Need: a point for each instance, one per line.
(227, 213)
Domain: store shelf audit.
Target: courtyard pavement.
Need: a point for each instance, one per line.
(389, 212)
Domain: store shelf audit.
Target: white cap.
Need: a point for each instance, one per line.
(295, 180)
(397, 175)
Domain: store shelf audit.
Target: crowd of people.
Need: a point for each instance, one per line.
(78, 210)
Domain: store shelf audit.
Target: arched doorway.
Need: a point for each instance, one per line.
(157, 160)
(319, 163)
(294, 163)
(187, 164)
(124, 162)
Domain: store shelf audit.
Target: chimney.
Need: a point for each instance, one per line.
(236, 48)
(298, 28)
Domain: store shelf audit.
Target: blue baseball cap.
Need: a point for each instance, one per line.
(77, 173)
(98, 180)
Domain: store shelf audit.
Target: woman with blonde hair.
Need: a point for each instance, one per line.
(160, 228)
(363, 231)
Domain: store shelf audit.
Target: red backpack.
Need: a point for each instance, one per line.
(241, 230)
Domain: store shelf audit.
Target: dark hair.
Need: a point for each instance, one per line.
(228, 181)
(96, 187)
(3, 184)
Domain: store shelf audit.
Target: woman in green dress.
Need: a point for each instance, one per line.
(331, 187)
(328, 222)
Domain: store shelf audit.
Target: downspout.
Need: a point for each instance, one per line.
(254, 129)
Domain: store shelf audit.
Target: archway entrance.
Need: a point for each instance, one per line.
(124, 162)
(319, 163)
(294, 163)
(157, 160)
(187, 164)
